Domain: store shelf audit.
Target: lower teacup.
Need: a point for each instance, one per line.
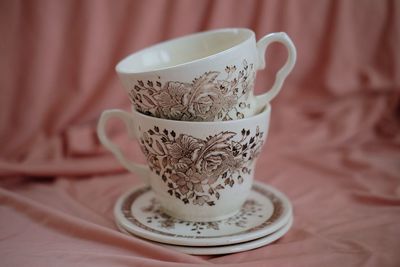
(199, 171)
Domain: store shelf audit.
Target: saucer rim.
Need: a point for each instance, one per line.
(205, 242)
(224, 249)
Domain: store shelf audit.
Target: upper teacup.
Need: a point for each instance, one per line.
(207, 76)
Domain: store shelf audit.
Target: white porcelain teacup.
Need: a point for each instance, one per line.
(199, 171)
(207, 76)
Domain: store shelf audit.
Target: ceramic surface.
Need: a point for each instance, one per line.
(240, 247)
(199, 171)
(207, 76)
(264, 212)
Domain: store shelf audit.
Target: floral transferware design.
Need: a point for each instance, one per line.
(137, 210)
(249, 208)
(194, 169)
(206, 98)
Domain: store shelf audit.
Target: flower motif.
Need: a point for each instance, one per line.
(156, 215)
(195, 169)
(189, 181)
(173, 98)
(183, 148)
(203, 99)
(179, 91)
(213, 164)
(206, 101)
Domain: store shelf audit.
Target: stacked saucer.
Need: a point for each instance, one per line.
(265, 217)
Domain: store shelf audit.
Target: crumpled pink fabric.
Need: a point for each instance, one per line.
(333, 148)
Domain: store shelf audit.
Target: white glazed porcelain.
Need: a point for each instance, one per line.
(234, 248)
(206, 76)
(199, 171)
(265, 211)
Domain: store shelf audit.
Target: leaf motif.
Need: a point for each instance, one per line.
(245, 64)
(159, 146)
(164, 162)
(191, 195)
(148, 99)
(203, 88)
(207, 77)
(219, 187)
(219, 141)
(211, 191)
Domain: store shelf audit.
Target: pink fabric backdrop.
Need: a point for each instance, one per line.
(334, 145)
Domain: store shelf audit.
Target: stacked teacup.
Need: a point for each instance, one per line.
(199, 124)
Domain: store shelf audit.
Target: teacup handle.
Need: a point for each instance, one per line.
(140, 169)
(281, 75)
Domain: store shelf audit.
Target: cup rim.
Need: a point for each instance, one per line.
(247, 31)
(265, 109)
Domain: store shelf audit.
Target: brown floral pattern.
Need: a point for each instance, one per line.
(196, 170)
(249, 208)
(279, 210)
(206, 98)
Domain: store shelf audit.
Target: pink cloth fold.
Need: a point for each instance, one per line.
(333, 147)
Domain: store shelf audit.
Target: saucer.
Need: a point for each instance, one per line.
(240, 247)
(265, 211)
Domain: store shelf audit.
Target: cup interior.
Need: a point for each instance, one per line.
(183, 50)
